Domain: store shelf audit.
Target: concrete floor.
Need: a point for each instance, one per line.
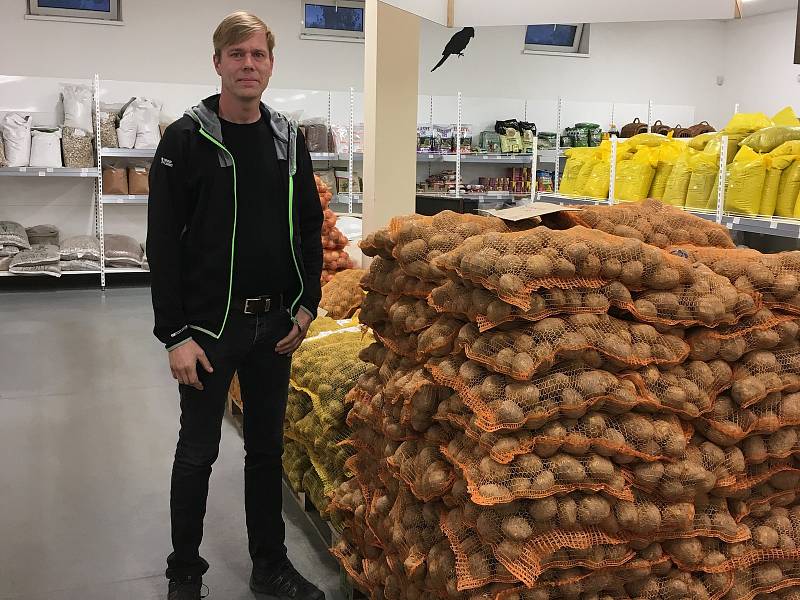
(88, 425)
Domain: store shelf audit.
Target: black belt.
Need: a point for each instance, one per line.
(259, 305)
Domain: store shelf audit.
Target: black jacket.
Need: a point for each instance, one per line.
(191, 223)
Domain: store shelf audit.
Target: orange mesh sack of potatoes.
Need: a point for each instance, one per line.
(652, 222)
(516, 264)
(342, 295)
(335, 258)
(776, 277)
(571, 413)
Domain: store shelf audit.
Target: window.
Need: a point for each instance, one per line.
(557, 38)
(82, 9)
(332, 19)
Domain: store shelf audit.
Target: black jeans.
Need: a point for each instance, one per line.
(247, 346)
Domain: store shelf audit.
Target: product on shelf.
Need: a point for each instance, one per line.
(108, 129)
(43, 235)
(13, 235)
(318, 135)
(40, 260)
(122, 251)
(634, 128)
(3, 160)
(342, 295)
(46, 148)
(115, 180)
(78, 147)
(138, 181)
(540, 456)
(139, 124)
(78, 103)
(80, 247)
(16, 130)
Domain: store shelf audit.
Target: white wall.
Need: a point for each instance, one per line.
(758, 63)
(169, 42)
(672, 63)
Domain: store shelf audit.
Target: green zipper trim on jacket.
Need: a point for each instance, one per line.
(211, 138)
(291, 245)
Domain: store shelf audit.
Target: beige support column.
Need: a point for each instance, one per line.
(391, 76)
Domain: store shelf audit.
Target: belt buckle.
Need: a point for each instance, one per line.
(266, 303)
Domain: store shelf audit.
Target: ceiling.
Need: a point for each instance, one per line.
(759, 7)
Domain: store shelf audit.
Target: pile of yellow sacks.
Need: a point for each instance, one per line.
(763, 172)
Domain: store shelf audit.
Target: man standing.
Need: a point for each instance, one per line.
(235, 254)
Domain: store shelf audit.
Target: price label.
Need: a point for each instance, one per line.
(431, 156)
(729, 225)
(42, 173)
(84, 174)
(49, 169)
(773, 224)
(23, 169)
(485, 158)
(736, 220)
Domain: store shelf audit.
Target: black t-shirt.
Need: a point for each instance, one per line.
(262, 259)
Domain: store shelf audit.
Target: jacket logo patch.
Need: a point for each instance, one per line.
(166, 162)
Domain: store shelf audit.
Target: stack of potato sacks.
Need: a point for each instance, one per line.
(584, 415)
(334, 256)
(763, 172)
(324, 369)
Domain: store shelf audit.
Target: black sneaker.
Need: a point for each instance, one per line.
(284, 583)
(187, 588)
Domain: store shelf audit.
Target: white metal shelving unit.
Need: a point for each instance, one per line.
(123, 155)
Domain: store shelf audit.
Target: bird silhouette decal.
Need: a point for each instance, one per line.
(456, 45)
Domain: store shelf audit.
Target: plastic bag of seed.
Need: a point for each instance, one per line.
(78, 148)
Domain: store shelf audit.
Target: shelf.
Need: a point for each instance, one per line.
(545, 156)
(47, 172)
(10, 274)
(128, 152)
(775, 226)
(126, 270)
(125, 199)
(325, 156)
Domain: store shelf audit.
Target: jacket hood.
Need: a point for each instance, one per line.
(206, 114)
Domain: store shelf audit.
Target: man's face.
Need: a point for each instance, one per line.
(246, 67)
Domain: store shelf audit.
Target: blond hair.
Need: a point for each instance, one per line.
(239, 26)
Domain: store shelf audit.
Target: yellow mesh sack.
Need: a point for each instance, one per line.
(747, 123)
(678, 180)
(576, 157)
(766, 140)
(704, 168)
(788, 190)
(635, 176)
(745, 182)
(597, 184)
(668, 154)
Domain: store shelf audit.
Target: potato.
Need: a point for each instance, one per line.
(645, 309)
(747, 390)
(538, 266)
(544, 509)
(593, 509)
(664, 278)
(567, 469)
(516, 528)
(709, 309)
(567, 513)
(522, 366)
(765, 537)
(687, 551)
(631, 274)
(510, 412)
(782, 442)
(543, 482)
(510, 285)
(766, 574)
(494, 491)
(600, 468)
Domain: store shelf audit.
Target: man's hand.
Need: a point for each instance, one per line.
(292, 341)
(183, 363)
